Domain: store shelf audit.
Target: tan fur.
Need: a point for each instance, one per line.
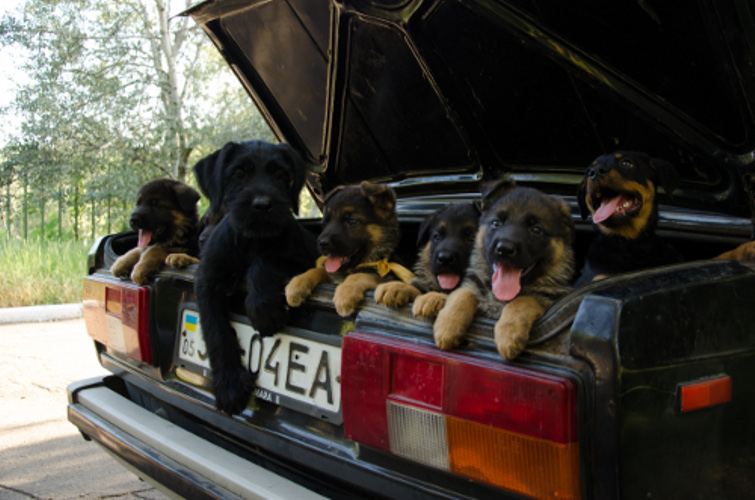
(512, 330)
(429, 304)
(180, 260)
(743, 253)
(350, 293)
(125, 263)
(300, 287)
(455, 318)
(150, 262)
(395, 293)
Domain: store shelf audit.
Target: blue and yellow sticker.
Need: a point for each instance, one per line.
(190, 322)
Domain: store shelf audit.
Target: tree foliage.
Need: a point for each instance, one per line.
(117, 93)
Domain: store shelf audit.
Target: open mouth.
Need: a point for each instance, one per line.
(507, 280)
(146, 237)
(614, 204)
(335, 262)
(448, 281)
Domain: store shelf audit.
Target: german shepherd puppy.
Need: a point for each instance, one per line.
(619, 191)
(446, 239)
(360, 232)
(166, 220)
(257, 243)
(522, 263)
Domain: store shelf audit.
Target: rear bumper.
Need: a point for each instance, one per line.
(166, 455)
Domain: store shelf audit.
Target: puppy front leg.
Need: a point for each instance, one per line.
(350, 293)
(151, 261)
(125, 263)
(512, 331)
(300, 287)
(743, 253)
(395, 293)
(265, 303)
(180, 260)
(455, 318)
(429, 304)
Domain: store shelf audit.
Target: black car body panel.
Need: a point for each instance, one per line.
(433, 97)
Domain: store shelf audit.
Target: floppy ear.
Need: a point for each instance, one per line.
(424, 229)
(582, 198)
(209, 172)
(668, 176)
(382, 197)
(298, 172)
(491, 191)
(187, 197)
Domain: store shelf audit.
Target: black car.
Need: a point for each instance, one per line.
(431, 96)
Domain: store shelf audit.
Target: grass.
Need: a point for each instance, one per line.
(36, 272)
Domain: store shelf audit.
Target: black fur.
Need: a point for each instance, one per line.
(257, 243)
(626, 241)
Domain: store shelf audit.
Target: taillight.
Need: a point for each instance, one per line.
(508, 426)
(116, 315)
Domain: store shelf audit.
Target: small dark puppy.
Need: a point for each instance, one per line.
(522, 263)
(446, 238)
(259, 243)
(166, 219)
(359, 234)
(619, 191)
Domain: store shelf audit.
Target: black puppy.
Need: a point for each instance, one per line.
(619, 191)
(445, 239)
(259, 243)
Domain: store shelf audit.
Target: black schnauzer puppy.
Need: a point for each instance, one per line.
(257, 242)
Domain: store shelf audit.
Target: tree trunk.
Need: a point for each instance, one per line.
(42, 218)
(60, 214)
(76, 212)
(26, 207)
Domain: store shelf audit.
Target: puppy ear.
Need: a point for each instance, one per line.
(209, 172)
(187, 197)
(382, 197)
(582, 198)
(491, 191)
(332, 193)
(668, 176)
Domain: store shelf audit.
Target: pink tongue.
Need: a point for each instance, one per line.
(333, 263)
(448, 281)
(506, 284)
(607, 209)
(144, 238)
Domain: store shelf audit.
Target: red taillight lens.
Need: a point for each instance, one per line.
(704, 393)
(116, 315)
(509, 426)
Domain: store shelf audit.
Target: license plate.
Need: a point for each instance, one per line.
(295, 371)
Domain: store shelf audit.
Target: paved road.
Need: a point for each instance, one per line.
(42, 455)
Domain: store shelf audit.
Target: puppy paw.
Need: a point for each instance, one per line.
(511, 338)
(180, 260)
(140, 275)
(347, 299)
(300, 287)
(232, 386)
(429, 304)
(453, 321)
(120, 267)
(395, 294)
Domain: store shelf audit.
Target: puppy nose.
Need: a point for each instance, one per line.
(324, 244)
(505, 249)
(445, 258)
(262, 204)
(134, 221)
(597, 171)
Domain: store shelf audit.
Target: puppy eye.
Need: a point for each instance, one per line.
(352, 222)
(282, 176)
(496, 223)
(154, 203)
(238, 174)
(536, 230)
(627, 163)
(437, 237)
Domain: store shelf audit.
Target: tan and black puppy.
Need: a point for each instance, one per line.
(166, 219)
(446, 239)
(619, 192)
(522, 263)
(359, 235)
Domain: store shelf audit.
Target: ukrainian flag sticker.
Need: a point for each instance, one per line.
(190, 322)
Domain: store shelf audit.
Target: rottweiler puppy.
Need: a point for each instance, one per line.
(359, 234)
(446, 239)
(256, 242)
(619, 191)
(521, 264)
(166, 220)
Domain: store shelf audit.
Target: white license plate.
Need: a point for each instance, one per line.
(291, 370)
